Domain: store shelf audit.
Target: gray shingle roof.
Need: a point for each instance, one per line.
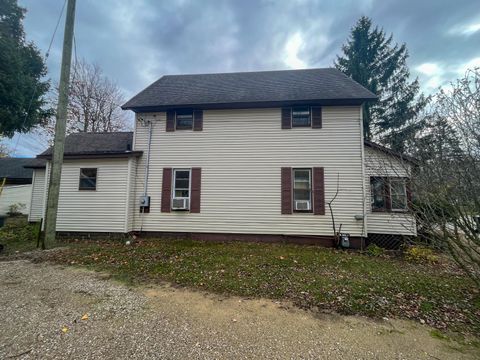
(267, 87)
(13, 168)
(112, 143)
(35, 164)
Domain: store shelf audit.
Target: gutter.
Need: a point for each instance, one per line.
(95, 155)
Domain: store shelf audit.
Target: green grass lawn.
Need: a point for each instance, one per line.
(309, 276)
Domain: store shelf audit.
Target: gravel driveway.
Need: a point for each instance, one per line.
(41, 310)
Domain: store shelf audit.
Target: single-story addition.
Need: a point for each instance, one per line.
(266, 156)
(17, 180)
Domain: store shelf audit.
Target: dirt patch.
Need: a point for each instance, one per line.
(42, 308)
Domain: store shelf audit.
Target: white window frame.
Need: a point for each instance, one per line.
(404, 182)
(174, 187)
(310, 182)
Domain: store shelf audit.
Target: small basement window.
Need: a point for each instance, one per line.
(88, 179)
(301, 116)
(302, 189)
(184, 120)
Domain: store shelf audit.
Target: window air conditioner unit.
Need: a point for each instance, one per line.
(302, 205)
(180, 204)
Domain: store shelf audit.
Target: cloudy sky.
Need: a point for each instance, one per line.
(137, 41)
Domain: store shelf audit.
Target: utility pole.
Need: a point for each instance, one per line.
(60, 128)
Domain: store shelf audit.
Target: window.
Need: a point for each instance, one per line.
(398, 194)
(377, 187)
(388, 194)
(301, 116)
(302, 189)
(181, 184)
(184, 120)
(88, 179)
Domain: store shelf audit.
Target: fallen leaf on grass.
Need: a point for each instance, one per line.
(85, 317)
(65, 329)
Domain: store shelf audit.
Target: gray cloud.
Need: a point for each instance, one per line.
(136, 42)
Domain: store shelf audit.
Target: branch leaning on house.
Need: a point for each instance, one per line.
(335, 233)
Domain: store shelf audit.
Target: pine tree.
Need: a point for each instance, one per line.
(21, 72)
(370, 58)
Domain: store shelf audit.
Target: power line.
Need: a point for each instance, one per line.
(47, 54)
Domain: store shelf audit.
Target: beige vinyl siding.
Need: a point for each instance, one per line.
(132, 201)
(15, 194)
(102, 210)
(241, 153)
(378, 163)
(38, 192)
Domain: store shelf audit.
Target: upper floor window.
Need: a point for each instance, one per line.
(301, 116)
(302, 189)
(184, 120)
(88, 179)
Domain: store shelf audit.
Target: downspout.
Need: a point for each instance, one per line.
(364, 205)
(147, 165)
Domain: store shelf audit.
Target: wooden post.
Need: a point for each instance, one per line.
(39, 233)
(60, 128)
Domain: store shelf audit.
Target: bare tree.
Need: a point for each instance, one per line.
(4, 150)
(448, 182)
(94, 102)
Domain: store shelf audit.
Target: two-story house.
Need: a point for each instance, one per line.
(265, 156)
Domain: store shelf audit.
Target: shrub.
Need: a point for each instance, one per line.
(418, 253)
(19, 237)
(16, 209)
(375, 250)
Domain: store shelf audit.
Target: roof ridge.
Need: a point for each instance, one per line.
(248, 72)
(100, 133)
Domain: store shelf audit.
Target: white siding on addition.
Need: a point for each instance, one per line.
(241, 153)
(131, 201)
(15, 195)
(101, 210)
(378, 163)
(38, 190)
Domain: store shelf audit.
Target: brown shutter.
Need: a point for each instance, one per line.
(198, 120)
(286, 188)
(386, 189)
(317, 117)
(170, 121)
(166, 190)
(318, 191)
(286, 118)
(195, 189)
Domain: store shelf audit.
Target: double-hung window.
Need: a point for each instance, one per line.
(388, 194)
(398, 194)
(184, 120)
(378, 193)
(181, 189)
(88, 179)
(302, 189)
(301, 116)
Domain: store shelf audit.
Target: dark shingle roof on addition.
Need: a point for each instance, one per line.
(96, 144)
(13, 168)
(242, 89)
